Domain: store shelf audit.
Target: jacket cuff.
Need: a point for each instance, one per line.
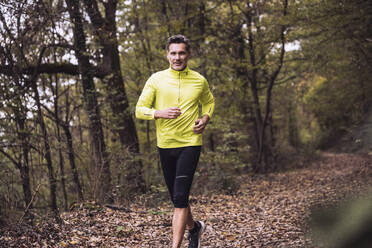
(153, 113)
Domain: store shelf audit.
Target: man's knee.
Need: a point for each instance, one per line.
(181, 191)
(181, 201)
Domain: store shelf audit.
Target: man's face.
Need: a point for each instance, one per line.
(177, 56)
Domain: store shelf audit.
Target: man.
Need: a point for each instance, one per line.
(171, 97)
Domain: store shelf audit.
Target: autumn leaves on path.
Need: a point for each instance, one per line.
(268, 211)
(272, 210)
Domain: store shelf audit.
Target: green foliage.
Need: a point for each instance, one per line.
(337, 54)
(348, 224)
(337, 104)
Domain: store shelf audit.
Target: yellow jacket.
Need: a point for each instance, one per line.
(170, 88)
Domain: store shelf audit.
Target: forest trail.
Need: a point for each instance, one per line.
(268, 211)
(359, 139)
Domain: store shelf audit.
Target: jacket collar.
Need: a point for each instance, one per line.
(177, 73)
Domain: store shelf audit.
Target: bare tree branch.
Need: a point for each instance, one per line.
(65, 68)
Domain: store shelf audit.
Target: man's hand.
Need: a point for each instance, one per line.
(200, 124)
(170, 113)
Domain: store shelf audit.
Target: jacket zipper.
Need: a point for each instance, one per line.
(179, 88)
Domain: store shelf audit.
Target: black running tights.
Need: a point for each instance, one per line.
(179, 165)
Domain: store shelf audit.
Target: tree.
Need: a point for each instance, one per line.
(105, 65)
(256, 38)
(91, 103)
(336, 41)
(15, 37)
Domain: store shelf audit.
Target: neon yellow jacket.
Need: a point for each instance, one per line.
(170, 88)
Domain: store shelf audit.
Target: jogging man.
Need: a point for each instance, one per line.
(171, 97)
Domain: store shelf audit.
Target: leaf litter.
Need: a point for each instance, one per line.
(269, 210)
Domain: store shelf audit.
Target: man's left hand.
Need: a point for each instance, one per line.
(200, 124)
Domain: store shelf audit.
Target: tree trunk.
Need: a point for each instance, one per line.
(292, 126)
(261, 121)
(24, 167)
(252, 78)
(59, 140)
(122, 121)
(166, 21)
(48, 157)
(71, 157)
(100, 153)
(146, 46)
(70, 148)
(63, 178)
(20, 113)
(78, 113)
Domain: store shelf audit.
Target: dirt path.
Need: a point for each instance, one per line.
(268, 211)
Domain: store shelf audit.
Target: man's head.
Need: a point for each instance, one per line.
(178, 52)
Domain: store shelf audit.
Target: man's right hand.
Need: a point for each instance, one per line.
(170, 113)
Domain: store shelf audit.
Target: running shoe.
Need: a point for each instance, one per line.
(195, 235)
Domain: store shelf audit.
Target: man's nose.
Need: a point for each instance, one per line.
(177, 56)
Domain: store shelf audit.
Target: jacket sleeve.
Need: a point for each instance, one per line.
(207, 100)
(144, 108)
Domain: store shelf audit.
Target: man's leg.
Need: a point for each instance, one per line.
(182, 218)
(179, 165)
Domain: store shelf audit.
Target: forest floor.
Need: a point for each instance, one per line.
(268, 211)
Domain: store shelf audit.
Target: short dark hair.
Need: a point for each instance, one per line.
(178, 38)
